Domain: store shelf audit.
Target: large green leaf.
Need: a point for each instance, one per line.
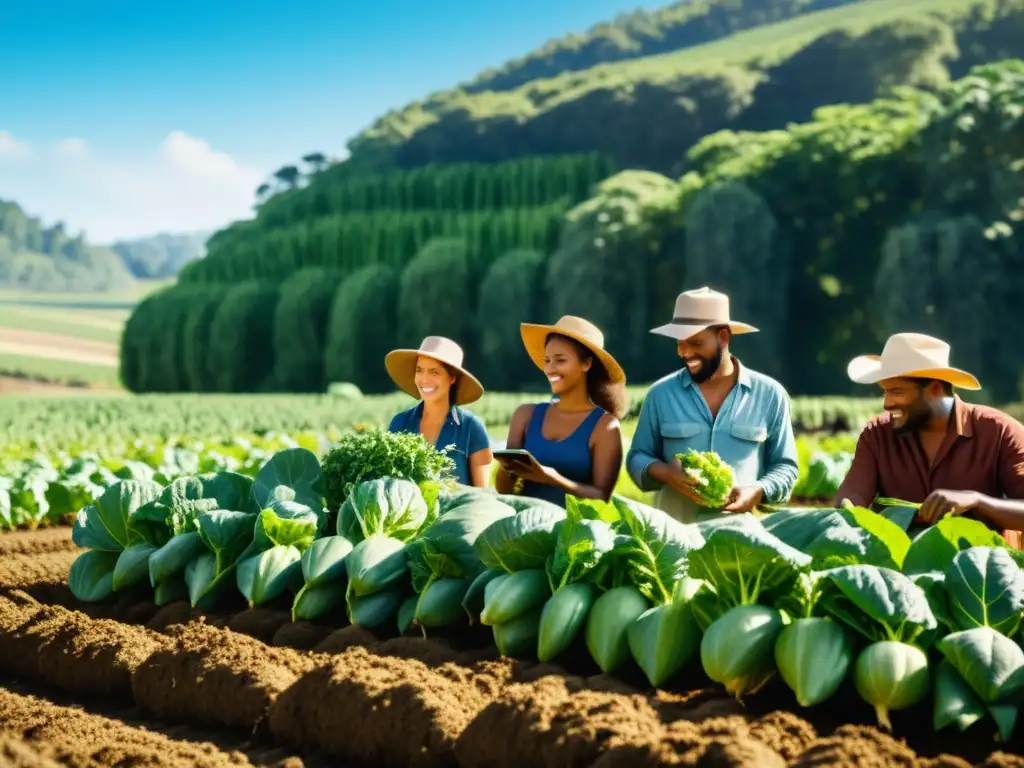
(291, 477)
(987, 660)
(880, 603)
(986, 589)
(387, 506)
(449, 548)
(651, 549)
(580, 546)
(104, 524)
(520, 541)
(746, 565)
(936, 546)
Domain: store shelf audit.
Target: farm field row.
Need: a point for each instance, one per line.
(128, 682)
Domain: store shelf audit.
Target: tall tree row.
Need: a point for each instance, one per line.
(904, 214)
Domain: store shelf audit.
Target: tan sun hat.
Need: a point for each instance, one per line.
(401, 365)
(586, 333)
(910, 356)
(697, 310)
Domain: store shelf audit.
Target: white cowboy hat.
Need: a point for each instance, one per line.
(697, 310)
(401, 365)
(910, 356)
(576, 328)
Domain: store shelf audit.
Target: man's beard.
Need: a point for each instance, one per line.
(918, 414)
(708, 366)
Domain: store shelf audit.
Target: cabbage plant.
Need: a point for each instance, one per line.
(746, 570)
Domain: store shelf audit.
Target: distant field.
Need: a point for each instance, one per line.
(63, 338)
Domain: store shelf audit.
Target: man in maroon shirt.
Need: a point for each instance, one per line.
(931, 447)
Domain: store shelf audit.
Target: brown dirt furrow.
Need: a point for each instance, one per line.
(555, 722)
(16, 753)
(378, 710)
(70, 650)
(55, 539)
(70, 736)
(36, 569)
(212, 675)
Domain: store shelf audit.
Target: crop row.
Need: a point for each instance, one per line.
(48, 487)
(408, 701)
(821, 598)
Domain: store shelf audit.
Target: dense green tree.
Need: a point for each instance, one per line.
(362, 328)
(733, 244)
(512, 292)
(300, 330)
(436, 295)
(941, 275)
(242, 338)
(604, 267)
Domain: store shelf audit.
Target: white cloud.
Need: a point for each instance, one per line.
(182, 184)
(12, 148)
(71, 149)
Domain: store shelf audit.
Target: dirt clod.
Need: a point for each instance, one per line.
(858, 745)
(212, 675)
(548, 723)
(379, 710)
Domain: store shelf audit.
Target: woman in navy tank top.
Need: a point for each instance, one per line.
(576, 441)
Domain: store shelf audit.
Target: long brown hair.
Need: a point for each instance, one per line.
(606, 395)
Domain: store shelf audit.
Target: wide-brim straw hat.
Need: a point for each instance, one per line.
(586, 333)
(910, 356)
(401, 366)
(696, 311)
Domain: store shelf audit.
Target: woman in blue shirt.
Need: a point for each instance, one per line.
(576, 441)
(434, 375)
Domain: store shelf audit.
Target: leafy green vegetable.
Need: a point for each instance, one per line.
(878, 603)
(608, 625)
(664, 638)
(891, 675)
(651, 549)
(936, 546)
(715, 479)
(813, 656)
(387, 506)
(520, 541)
(563, 616)
(371, 454)
(737, 650)
(986, 589)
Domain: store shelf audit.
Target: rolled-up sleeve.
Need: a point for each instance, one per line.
(478, 437)
(860, 485)
(1011, 460)
(781, 463)
(646, 446)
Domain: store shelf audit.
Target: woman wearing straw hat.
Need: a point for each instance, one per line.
(434, 375)
(576, 442)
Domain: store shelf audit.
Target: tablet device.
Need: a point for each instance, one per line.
(519, 456)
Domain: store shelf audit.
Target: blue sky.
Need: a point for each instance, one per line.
(124, 118)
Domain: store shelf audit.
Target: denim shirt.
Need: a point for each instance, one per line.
(752, 433)
(462, 430)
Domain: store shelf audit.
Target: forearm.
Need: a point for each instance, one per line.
(579, 490)
(778, 482)
(1005, 514)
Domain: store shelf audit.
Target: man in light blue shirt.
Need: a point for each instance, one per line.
(713, 404)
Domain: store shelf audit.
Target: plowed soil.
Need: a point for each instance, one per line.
(55, 539)
(266, 692)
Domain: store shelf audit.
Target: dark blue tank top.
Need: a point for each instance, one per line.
(570, 457)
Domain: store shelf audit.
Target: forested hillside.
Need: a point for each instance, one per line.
(160, 256)
(34, 256)
(830, 226)
(645, 112)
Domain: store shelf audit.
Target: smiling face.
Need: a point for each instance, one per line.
(910, 403)
(704, 352)
(432, 379)
(564, 366)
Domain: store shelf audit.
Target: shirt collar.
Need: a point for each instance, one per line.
(453, 414)
(742, 375)
(963, 418)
